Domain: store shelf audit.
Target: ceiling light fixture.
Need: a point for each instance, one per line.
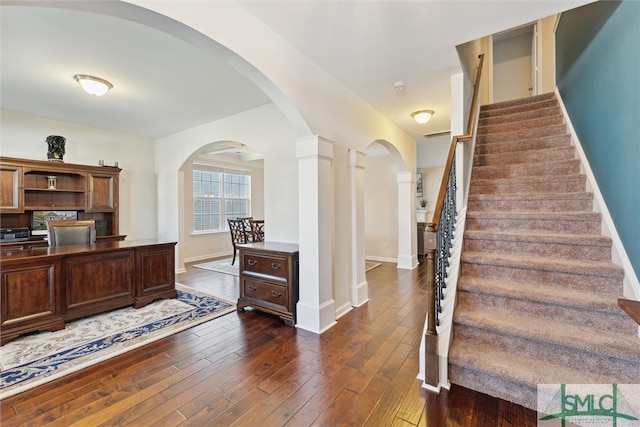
(422, 116)
(93, 85)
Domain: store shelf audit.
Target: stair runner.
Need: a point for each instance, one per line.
(537, 296)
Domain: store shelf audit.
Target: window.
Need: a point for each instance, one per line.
(211, 205)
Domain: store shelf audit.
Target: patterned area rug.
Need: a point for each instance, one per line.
(370, 265)
(221, 266)
(32, 360)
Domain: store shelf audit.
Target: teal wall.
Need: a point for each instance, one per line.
(598, 76)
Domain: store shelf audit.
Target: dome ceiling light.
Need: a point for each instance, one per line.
(93, 85)
(422, 116)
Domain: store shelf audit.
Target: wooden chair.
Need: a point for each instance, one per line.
(238, 235)
(63, 233)
(246, 224)
(257, 230)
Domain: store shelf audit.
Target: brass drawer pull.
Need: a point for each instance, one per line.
(276, 266)
(276, 294)
(252, 288)
(252, 262)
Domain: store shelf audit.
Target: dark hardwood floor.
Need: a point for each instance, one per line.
(249, 369)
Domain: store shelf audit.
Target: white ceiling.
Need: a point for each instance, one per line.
(163, 85)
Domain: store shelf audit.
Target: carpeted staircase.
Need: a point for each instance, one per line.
(537, 293)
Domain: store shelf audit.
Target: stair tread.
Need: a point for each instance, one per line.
(532, 100)
(528, 179)
(531, 371)
(572, 239)
(551, 216)
(532, 196)
(542, 293)
(548, 111)
(561, 127)
(532, 150)
(559, 163)
(572, 337)
(542, 138)
(596, 268)
(528, 122)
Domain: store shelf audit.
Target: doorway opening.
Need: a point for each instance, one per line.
(515, 65)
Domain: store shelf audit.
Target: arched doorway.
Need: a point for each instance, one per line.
(203, 228)
(389, 206)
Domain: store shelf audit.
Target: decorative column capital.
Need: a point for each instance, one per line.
(406, 177)
(357, 159)
(314, 147)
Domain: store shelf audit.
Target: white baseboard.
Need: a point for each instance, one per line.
(210, 256)
(379, 259)
(341, 311)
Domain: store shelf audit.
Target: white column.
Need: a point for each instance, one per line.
(316, 308)
(359, 285)
(407, 239)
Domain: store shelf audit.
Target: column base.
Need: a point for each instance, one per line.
(408, 262)
(316, 319)
(360, 294)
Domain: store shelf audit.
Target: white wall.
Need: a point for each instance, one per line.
(432, 152)
(24, 136)
(381, 208)
(431, 178)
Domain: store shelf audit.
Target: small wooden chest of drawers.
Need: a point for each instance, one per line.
(269, 278)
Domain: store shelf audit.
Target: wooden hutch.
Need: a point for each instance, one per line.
(43, 287)
(25, 187)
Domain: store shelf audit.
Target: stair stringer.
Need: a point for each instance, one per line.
(448, 305)
(631, 285)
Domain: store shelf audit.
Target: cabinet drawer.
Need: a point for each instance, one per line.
(265, 292)
(269, 265)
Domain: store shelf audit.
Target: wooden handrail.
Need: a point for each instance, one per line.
(431, 245)
(474, 101)
(437, 212)
(631, 307)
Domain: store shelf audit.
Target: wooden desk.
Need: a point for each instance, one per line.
(43, 287)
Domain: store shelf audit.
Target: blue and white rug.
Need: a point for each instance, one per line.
(32, 360)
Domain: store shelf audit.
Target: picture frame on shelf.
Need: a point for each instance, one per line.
(39, 220)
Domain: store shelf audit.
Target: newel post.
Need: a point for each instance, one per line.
(431, 368)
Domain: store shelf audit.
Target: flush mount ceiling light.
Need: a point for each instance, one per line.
(93, 85)
(422, 116)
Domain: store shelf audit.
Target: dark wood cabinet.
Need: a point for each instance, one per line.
(103, 188)
(32, 298)
(156, 278)
(33, 185)
(94, 284)
(11, 194)
(269, 278)
(42, 287)
(69, 192)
